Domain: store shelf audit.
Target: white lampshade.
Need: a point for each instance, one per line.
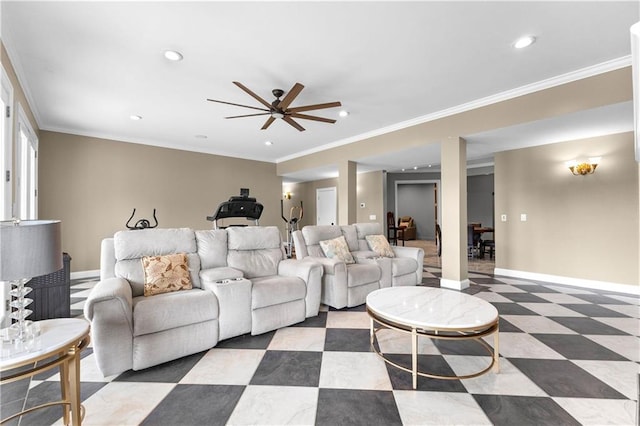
(29, 248)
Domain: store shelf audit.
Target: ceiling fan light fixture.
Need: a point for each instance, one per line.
(277, 115)
(135, 117)
(173, 55)
(524, 41)
(343, 113)
(268, 143)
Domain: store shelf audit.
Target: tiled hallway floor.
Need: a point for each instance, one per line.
(568, 356)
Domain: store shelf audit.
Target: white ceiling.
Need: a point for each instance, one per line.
(88, 66)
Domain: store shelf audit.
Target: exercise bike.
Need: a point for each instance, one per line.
(295, 216)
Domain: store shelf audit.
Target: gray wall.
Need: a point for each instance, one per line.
(417, 200)
(480, 200)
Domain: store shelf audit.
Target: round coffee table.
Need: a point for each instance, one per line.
(435, 313)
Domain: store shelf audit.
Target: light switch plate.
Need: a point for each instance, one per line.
(523, 217)
(503, 218)
(372, 217)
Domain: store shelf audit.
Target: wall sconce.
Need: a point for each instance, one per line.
(583, 168)
(287, 195)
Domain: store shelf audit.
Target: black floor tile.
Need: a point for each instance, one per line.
(534, 288)
(562, 378)
(196, 405)
(247, 341)
(591, 310)
(319, 320)
(460, 347)
(505, 308)
(578, 347)
(169, 372)
(359, 308)
(600, 299)
(507, 327)
(430, 364)
(356, 407)
(524, 298)
(347, 340)
(584, 325)
(288, 368)
(523, 410)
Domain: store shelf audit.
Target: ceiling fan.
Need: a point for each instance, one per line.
(280, 108)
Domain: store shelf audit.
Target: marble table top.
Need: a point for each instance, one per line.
(431, 308)
(54, 335)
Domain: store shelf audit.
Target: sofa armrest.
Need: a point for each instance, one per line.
(329, 266)
(414, 253)
(109, 308)
(364, 254)
(311, 273)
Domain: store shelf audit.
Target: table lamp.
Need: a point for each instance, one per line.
(28, 249)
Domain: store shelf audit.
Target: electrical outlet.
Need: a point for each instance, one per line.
(523, 217)
(372, 217)
(503, 218)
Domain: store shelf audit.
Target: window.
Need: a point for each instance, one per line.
(26, 169)
(6, 121)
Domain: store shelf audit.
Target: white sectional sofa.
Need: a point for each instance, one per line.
(241, 281)
(347, 285)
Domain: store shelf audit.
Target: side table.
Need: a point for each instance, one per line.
(58, 344)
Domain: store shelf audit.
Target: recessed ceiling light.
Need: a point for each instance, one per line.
(201, 136)
(135, 117)
(524, 41)
(268, 143)
(403, 170)
(415, 167)
(343, 113)
(429, 165)
(173, 55)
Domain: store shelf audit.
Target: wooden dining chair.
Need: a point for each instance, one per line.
(392, 229)
(439, 239)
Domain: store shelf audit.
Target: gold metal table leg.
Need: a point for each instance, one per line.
(414, 357)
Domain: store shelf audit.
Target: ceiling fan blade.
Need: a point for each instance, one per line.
(293, 123)
(312, 117)
(267, 123)
(253, 95)
(293, 93)
(316, 106)
(249, 115)
(231, 103)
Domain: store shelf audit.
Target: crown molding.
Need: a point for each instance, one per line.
(548, 83)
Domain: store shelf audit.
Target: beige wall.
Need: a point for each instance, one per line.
(369, 191)
(577, 226)
(93, 184)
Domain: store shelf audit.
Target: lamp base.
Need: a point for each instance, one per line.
(21, 328)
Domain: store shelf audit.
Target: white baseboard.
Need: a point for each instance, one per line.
(575, 282)
(85, 274)
(454, 284)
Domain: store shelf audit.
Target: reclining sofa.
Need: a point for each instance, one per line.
(348, 284)
(240, 282)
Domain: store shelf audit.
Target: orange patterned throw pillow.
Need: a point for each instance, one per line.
(163, 274)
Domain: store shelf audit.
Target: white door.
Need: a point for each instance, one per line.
(326, 206)
(5, 148)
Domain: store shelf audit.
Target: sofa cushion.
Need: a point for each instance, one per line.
(351, 236)
(212, 248)
(403, 265)
(360, 274)
(171, 310)
(380, 245)
(337, 248)
(274, 290)
(131, 246)
(164, 274)
(253, 238)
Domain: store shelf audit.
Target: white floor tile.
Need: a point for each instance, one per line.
(627, 299)
(522, 345)
(537, 324)
(513, 281)
(561, 298)
(276, 405)
(225, 367)
(630, 310)
(600, 411)
(568, 289)
(439, 408)
(507, 381)
(89, 371)
(124, 403)
(354, 370)
(490, 296)
(628, 325)
(627, 346)
(348, 320)
(505, 288)
(551, 309)
(620, 375)
(298, 339)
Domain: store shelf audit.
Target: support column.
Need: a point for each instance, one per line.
(455, 263)
(347, 197)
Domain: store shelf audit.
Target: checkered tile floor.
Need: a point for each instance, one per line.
(568, 356)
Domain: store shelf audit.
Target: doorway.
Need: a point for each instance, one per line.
(420, 200)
